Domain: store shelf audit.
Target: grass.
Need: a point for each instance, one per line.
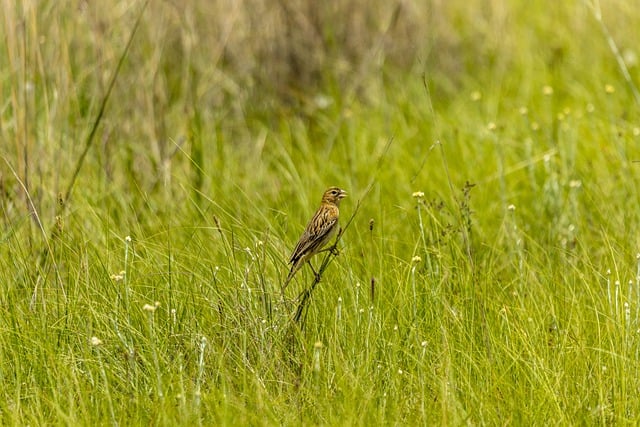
(490, 274)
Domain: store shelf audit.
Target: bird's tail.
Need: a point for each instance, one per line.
(295, 266)
(292, 272)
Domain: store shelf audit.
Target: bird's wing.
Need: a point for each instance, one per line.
(316, 233)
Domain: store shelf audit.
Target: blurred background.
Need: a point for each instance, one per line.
(270, 96)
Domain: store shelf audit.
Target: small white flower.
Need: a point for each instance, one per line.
(118, 277)
(322, 101)
(95, 341)
(630, 58)
(148, 307)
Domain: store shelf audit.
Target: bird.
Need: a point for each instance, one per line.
(319, 231)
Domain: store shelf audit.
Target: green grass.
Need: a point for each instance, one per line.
(490, 276)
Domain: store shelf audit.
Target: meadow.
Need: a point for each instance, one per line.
(158, 162)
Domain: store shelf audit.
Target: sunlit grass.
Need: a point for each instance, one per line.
(490, 276)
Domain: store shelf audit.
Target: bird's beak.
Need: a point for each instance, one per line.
(342, 194)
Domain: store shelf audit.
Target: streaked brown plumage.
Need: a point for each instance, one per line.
(322, 227)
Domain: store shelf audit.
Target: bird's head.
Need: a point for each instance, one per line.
(334, 195)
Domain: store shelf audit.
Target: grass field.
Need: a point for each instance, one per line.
(491, 271)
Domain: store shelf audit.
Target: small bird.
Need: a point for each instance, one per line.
(322, 227)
